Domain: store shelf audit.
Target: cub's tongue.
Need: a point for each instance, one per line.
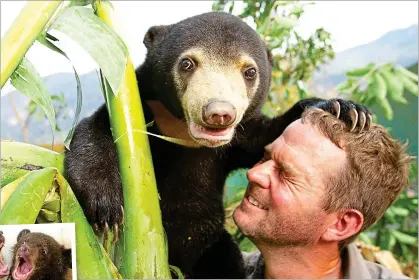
(23, 270)
(4, 271)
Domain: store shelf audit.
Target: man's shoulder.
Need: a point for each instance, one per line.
(378, 271)
(253, 263)
(356, 266)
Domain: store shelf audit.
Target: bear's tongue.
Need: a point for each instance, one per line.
(23, 270)
(4, 271)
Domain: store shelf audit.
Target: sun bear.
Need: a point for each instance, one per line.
(204, 79)
(38, 256)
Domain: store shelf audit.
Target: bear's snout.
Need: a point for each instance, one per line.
(218, 113)
(24, 250)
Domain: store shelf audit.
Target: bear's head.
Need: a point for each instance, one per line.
(212, 70)
(39, 256)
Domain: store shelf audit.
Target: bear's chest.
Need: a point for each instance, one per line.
(187, 176)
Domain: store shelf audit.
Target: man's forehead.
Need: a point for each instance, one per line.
(306, 137)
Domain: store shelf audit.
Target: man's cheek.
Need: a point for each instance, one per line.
(282, 197)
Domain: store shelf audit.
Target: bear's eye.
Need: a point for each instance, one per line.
(187, 64)
(250, 73)
(44, 251)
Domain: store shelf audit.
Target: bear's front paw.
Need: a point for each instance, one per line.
(352, 113)
(105, 212)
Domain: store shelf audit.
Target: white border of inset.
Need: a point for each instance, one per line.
(67, 227)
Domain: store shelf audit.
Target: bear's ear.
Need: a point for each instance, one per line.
(155, 34)
(270, 57)
(67, 257)
(22, 233)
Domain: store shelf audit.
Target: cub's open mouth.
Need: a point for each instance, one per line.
(212, 136)
(4, 270)
(23, 269)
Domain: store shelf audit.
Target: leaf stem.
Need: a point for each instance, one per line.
(30, 22)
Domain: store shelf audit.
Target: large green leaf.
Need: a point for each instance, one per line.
(408, 73)
(17, 159)
(44, 39)
(400, 211)
(394, 87)
(404, 238)
(377, 87)
(96, 38)
(358, 72)
(408, 84)
(27, 80)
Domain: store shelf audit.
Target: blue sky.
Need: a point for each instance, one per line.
(351, 23)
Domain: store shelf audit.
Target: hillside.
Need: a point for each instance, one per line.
(399, 46)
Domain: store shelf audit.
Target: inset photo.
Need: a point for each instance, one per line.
(38, 251)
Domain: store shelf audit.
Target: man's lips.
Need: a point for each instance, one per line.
(252, 201)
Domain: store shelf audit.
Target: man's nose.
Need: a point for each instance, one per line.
(259, 174)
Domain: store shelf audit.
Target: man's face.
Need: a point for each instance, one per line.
(282, 202)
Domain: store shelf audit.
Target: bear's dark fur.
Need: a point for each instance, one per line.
(38, 256)
(190, 180)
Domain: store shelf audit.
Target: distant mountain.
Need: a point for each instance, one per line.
(399, 46)
(39, 131)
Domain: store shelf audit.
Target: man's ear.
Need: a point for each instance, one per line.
(155, 34)
(346, 224)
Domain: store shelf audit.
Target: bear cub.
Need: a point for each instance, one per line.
(38, 256)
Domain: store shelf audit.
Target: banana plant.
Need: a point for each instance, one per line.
(34, 188)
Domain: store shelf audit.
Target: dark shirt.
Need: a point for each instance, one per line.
(353, 264)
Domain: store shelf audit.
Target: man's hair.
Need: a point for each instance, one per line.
(376, 171)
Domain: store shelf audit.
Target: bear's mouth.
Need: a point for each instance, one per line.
(209, 136)
(24, 268)
(4, 270)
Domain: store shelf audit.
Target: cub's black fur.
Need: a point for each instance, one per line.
(190, 180)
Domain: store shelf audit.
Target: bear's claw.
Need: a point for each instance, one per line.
(350, 112)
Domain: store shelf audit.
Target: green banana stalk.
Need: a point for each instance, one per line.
(30, 22)
(142, 245)
(17, 159)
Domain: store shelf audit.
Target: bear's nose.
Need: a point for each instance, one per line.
(24, 250)
(218, 113)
